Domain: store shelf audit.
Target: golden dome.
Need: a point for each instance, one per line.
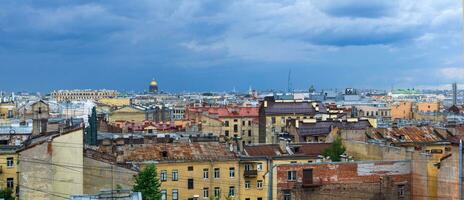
(153, 83)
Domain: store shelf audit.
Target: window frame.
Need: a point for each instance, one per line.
(175, 175)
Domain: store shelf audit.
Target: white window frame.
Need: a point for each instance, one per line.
(205, 193)
(163, 175)
(10, 162)
(205, 173)
(259, 166)
(217, 173)
(175, 175)
(247, 184)
(232, 172)
(259, 184)
(232, 191)
(291, 175)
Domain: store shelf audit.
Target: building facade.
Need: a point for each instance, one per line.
(83, 95)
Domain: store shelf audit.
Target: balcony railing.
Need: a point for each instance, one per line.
(250, 173)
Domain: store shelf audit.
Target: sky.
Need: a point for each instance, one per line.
(210, 45)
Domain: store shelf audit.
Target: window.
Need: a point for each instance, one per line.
(308, 176)
(249, 133)
(10, 183)
(163, 175)
(231, 191)
(287, 195)
(175, 194)
(190, 183)
(248, 167)
(247, 185)
(9, 162)
(249, 123)
(217, 192)
(259, 198)
(226, 133)
(273, 119)
(235, 128)
(190, 168)
(259, 167)
(205, 192)
(163, 195)
(226, 123)
(291, 175)
(259, 184)
(232, 172)
(401, 191)
(205, 173)
(216, 173)
(243, 123)
(175, 175)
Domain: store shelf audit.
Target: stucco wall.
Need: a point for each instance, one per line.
(100, 175)
(367, 151)
(53, 169)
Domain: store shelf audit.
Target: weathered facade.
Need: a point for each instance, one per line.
(344, 180)
(51, 166)
(274, 114)
(101, 172)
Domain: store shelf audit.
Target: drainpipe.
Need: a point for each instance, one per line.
(460, 169)
(269, 190)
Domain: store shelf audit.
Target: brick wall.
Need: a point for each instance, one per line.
(354, 180)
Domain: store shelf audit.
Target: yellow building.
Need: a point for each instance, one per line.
(8, 169)
(191, 170)
(8, 110)
(115, 102)
(230, 122)
(127, 113)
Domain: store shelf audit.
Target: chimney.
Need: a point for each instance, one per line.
(283, 145)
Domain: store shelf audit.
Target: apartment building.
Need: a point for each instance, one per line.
(274, 114)
(83, 95)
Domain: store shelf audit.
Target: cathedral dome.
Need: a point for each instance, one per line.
(153, 83)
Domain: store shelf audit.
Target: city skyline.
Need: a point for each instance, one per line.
(216, 46)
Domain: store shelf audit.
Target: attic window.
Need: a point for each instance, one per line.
(164, 154)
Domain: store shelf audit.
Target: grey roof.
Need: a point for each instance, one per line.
(293, 108)
(324, 127)
(15, 130)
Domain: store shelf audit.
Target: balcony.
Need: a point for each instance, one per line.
(250, 173)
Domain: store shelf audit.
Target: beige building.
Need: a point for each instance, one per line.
(274, 114)
(8, 110)
(428, 107)
(9, 168)
(82, 95)
(51, 166)
(127, 113)
(402, 110)
(191, 170)
(231, 122)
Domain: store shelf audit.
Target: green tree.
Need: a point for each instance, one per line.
(6, 194)
(335, 150)
(148, 184)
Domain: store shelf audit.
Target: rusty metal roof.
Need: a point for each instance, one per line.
(406, 134)
(180, 151)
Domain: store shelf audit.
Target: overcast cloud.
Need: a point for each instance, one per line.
(218, 45)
